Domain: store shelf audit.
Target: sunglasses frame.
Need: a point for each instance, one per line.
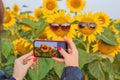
(91, 25)
(55, 26)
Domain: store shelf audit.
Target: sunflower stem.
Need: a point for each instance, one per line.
(75, 13)
(88, 48)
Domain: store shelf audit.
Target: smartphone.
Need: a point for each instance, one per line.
(47, 48)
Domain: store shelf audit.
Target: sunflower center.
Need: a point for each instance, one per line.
(75, 3)
(60, 20)
(44, 48)
(101, 19)
(21, 50)
(105, 48)
(86, 30)
(60, 32)
(50, 5)
(7, 18)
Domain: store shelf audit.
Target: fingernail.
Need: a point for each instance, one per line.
(58, 48)
(34, 59)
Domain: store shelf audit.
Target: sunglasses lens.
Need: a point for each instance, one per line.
(81, 24)
(92, 25)
(65, 26)
(54, 26)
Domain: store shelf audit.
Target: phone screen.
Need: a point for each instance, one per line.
(47, 49)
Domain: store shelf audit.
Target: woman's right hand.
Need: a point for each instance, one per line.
(70, 57)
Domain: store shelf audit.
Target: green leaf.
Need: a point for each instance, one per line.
(7, 48)
(10, 60)
(24, 6)
(8, 70)
(42, 24)
(117, 57)
(5, 33)
(26, 12)
(28, 22)
(44, 66)
(107, 66)
(96, 70)
(116, 67)
(117, 26)
(108, 37)
(58, 67)
(85, 58)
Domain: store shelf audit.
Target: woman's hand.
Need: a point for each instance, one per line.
(22, 64)
(70, 57)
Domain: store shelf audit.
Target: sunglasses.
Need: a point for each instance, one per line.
(91, 25)
(64, 26)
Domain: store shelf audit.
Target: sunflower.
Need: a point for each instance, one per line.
(103, 18)
(49, 6)
(89, 33)
(44, 48)
(105, 48)
(76, 5)
(25, 15)
(117, 21)
(113, 28)
(60, 17)
(9, 19)
(21, 46)
(37, 13)
(15, 9)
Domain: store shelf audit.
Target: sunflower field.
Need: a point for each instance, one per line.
(96, 36)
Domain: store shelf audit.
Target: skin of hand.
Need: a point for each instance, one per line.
(22, 64)
(71, 56)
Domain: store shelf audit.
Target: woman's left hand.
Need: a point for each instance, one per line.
(22, 64)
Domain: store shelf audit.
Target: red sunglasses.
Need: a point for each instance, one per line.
(64, 26)
(91, 25)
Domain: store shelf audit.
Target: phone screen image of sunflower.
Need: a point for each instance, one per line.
(47, 49)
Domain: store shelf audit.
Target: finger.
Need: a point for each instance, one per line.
(31, 67)
(29, 63)
(27, 55)
(69, 51)
(62, 51)
(35, 59)
(28, 58)
(58, 59)
(35, 63)
(70, 43)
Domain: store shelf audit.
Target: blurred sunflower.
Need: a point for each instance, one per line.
(25, 15)
(60, 18)
(113, 28)
(88, 26)
(76, 5)
(9, 19)
(15, 9)
(105, 48)
(21, 46)
(117, 21)
(103, 18)
(37, 13)
(49, 6)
